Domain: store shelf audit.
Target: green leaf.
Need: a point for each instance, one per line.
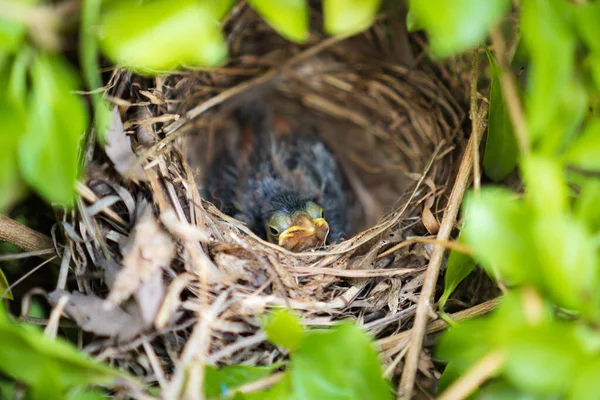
(347, 17)
(546, 184)
(586, 22)
(569, 260)
(459, 25)
(56, 122)
(12, 35)
(585, 150)
(586, 385)
(290, 18)
(160, 35)
(459, 266)
(231, 377)
(501, 390)
(499, 233)
(586, 208)
(547, 36)
(41, 363)
(543, 359)
(14, 120)
(283, 328)
(450, 375)
(501, 151)
(5, 292)
(340, 363)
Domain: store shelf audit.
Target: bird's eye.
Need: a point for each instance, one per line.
(273, 231)
(314, 210)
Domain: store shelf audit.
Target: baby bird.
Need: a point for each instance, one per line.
(286, 186)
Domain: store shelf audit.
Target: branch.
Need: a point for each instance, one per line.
(509, 91)
(23, 237)
(424, 307)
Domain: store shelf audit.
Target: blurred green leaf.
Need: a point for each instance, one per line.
(501, 151)
(56, 122)
(451, 374)
(12, 35)
(569, 260)
(14, 124)
(586, 385)
(88, 54)
(44, 364)
(82, 393)
(347, 17)
(233, 376)
(584, 152)
(5, 293)
(586, 22)
(547, 36)
(546, 184)
(456, 26)
(159, 35)
(543, 359)
(499, 233)
(499, 389)
(462, 346)
(586, 208)
(290, 18)
(564, 123)
(340, 363)
(283, 328)
(459, 266)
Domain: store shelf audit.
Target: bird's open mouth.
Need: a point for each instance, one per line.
(306, 233)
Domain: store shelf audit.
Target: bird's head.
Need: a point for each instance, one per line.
(299, 229)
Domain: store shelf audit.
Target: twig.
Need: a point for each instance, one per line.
(424, 306)
(55, 315)
(474, 119)
(435, 326)
(509, 91)
(353, 273)
(478, 374)
(452, 245)
(23, 237)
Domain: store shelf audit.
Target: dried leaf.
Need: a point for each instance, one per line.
(429, 221)
(90, 315)
(149, 297)
(151, 249)
(118, 149)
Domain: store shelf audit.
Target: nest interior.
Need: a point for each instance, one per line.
(394, 120)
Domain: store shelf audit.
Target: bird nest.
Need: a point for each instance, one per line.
(164, 277)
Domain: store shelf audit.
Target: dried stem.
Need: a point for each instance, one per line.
(509, 91)
(474, 119)
(424, 307)
(25, 238)
(438, 325)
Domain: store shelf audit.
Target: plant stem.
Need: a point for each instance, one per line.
(424, 307)
(509, 91)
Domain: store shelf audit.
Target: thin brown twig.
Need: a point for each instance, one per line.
(473, 114)
(452, 245)
(509, 91)
(353, 273)
(435, 326)
(424, 306)
(24, 238)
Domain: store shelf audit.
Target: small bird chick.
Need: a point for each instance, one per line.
(286, 186)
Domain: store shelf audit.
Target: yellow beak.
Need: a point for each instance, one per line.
(305, 233)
